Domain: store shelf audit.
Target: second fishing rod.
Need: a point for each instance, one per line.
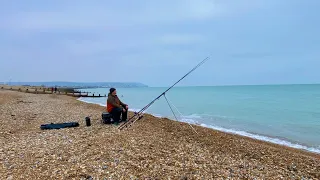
(163, 93)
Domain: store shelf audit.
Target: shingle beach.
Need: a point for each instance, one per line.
(153, 148)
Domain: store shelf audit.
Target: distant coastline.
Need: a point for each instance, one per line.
(78, 85)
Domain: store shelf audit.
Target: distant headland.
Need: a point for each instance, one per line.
(78, 84)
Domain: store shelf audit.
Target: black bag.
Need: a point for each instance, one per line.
(59, 125)
(106, 118)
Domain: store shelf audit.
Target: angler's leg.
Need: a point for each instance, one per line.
(116, 113)
(124, 114)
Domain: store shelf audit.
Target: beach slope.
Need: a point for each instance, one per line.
(153, 148)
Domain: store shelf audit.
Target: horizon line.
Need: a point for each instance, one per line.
(222, 85)
(288, 84)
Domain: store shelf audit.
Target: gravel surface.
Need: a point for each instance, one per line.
(153, 148)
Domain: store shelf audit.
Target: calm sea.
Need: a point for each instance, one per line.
(282, 114)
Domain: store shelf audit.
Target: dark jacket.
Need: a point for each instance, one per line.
(114, 101)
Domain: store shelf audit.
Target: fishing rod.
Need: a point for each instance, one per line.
(163, 93)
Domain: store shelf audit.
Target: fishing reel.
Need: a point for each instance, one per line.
(140, 115)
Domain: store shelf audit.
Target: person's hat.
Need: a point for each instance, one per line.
(111, 90)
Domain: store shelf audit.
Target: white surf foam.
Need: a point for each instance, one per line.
(134, 110)
(264, 138)
(191, 119)
(90, 102)
(188, 120)
(157, 115)
(193, 116)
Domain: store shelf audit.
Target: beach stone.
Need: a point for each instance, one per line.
(292, 167)
(183, 178)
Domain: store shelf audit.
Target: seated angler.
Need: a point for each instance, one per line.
(116, 107)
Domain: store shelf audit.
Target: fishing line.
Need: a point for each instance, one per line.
(170, 107)
(181, 115)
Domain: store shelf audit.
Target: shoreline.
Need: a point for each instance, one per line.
(152, 148)
(264, 138)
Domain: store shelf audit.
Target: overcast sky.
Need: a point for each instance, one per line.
(156, 42)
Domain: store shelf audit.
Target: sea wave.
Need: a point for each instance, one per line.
(201, 116)
(192, 119)
(264, 138)
(90, 102)
(193, 116)
(134, 110)
(188, 120)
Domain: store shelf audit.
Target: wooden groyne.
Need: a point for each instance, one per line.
(45, 90)
(86, 95)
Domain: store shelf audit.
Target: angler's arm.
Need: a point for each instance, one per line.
(123, 104)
